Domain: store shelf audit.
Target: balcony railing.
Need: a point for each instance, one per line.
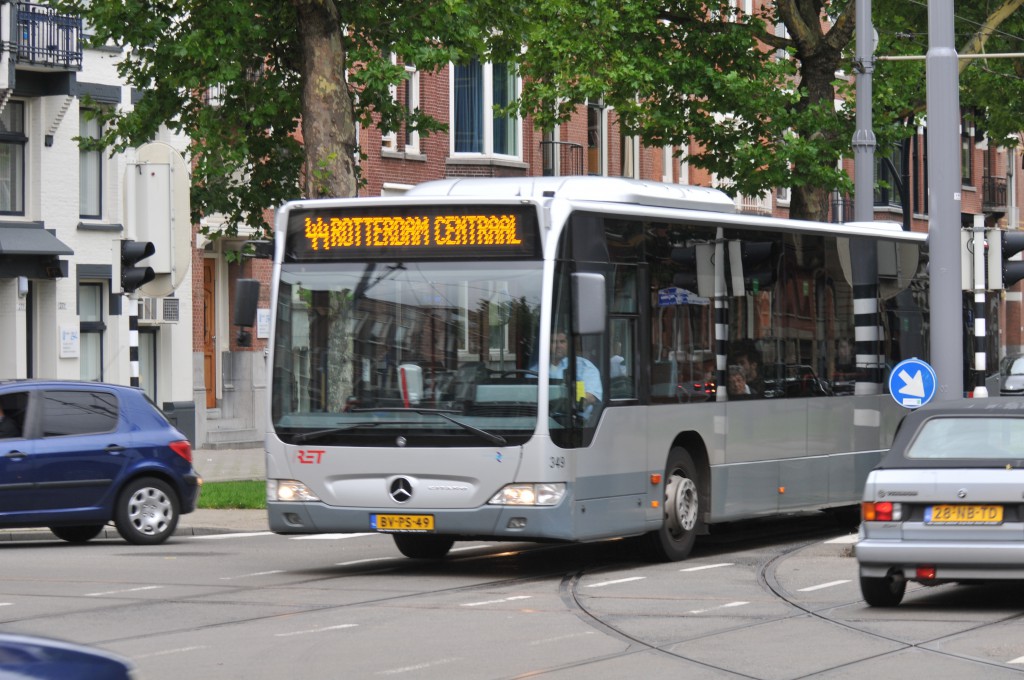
(754, 205)
(993, 194)
(569, 157)
(46, 38)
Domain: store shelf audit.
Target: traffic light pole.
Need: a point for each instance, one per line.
(980, 390)
(133, 339)
(945, 295)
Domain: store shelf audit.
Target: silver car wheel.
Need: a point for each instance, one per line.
(150, 511)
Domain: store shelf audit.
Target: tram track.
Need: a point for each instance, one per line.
(766, 578)
(570, 569)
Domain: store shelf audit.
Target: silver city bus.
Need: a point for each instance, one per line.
(571, 359)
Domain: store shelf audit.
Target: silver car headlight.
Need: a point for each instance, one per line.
(529, 494)
(289, 490)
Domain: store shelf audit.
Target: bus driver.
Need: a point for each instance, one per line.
(586, 371)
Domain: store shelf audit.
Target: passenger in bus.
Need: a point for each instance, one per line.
(737, 383)
(844, 357)
(586, 371)
(748, 358)
(618, 362)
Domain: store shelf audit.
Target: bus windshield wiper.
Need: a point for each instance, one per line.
(306, 436)
(443, 413)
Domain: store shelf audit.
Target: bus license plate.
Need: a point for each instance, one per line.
(402, 522)
(963, 514)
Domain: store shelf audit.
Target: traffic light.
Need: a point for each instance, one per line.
(133, 276)
(1000, 250)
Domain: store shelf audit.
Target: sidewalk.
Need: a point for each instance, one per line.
(225, 465)
(221, 465)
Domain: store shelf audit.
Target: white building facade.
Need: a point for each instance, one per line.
(62, 215)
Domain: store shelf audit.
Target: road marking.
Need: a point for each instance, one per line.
(316, 630)
(620, 580)
(724, 606)
(6, 604)
(328, 537)
(1019, 659)
(852, 538)
(823, 585)
(215, 537)
(127, 590)
(417, 667)
(255, 573)
(505, 599)
(561, 638)
(171, 651)
(708, 566)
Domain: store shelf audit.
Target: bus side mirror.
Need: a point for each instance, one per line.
(588, 303)
(247, 296)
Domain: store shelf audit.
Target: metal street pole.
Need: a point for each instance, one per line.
(945, 297)
(864, 251)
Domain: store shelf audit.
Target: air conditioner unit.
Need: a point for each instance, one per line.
(148, 309)
(159, 310)
(170, 310)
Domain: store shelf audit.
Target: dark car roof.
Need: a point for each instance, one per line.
(996, 407)
(43, 383)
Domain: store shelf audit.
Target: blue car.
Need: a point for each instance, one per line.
(75, 456)
(25, 657)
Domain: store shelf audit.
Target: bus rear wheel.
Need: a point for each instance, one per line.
(675, 539)
(423, 546)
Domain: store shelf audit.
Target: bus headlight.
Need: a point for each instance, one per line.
(289, 490)
(529, 494)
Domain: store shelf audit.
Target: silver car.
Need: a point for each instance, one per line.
(947, 502)
(1011, 376)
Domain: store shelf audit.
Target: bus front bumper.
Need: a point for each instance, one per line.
(488, 522)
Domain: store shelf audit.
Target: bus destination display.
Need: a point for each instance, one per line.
(412, 232)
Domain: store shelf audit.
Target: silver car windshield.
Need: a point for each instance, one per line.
(969, 438)
(363, 349)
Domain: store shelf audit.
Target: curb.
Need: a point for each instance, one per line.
(40, 534)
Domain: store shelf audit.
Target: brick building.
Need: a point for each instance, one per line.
(231, 380)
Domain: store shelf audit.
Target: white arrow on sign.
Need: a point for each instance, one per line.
(914, 385)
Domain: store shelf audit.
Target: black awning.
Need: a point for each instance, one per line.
(31, 241)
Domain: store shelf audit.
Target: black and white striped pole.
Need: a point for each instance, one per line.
(980, 390)
(133, 340)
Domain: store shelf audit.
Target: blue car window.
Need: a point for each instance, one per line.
(78, 412)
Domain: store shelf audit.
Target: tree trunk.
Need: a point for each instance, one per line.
(328, 119)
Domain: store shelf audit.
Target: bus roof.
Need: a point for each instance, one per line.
(581, 189)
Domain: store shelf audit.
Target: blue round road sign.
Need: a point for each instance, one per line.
(912, 383)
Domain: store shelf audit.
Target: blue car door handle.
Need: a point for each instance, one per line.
(114, 448)
(16, 454)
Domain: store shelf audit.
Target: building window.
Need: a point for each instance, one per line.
(597, 135)
(147, 361)
(478, 88)
(411, 100)
(90, 172)
(12, 159)
(412, 104)
(91, 327)
(889, 194)
(630, 156)
(966, 149)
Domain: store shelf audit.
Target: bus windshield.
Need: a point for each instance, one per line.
(395, 353)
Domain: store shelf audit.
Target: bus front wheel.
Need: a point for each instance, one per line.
(423, 546)
(674, 540)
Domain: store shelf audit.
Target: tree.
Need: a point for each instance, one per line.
(269, 92)
(760, 102)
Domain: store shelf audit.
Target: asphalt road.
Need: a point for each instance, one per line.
(772, 600)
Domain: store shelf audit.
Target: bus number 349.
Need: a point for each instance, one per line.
(557, 462)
